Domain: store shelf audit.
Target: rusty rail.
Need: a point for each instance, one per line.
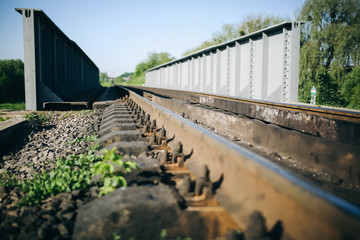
(252, 183)
(328, 123)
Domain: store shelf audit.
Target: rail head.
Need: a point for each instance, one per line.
(340, 125)
(253, 183)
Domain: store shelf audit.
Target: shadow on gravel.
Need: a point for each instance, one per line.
(20, 138)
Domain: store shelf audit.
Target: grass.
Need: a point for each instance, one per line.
(107, 84)
(41, 117)
(13, 106)
(136, 81)
(3, 119)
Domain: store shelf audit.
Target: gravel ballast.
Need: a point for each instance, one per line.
(33, 150)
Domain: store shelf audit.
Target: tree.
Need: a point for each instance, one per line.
(103, 76)
(154, 59)
(250, 24)
(351, 89)
(330, 42)
(12, 87)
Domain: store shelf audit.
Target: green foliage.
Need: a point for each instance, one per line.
(43, 118)
(110, 82)
(116, 236)
(102, 76)
(127, 74)
(13, 106)
(112, 178)
(327, 92)
(30, 117)
(8, 181)
(154, 59)
(140, 80)
(91, 138)
(12, 81)
(73, 172)
(36, 117)
(330, 43)
(3, 119)
(107, 83)
(249, 24)
(351, 89)
(163, 234)
(124, 78)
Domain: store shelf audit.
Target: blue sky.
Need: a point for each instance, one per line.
(118, 34)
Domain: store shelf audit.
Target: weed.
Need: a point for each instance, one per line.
(30, 117)
(65, 116)
(116, 236)
(86, 112)
(9, 181)
(73, 172)
(3, 119)
(91, 138)
(34, 117)
(95, 146)
(163, 234)
(43, 118)
(106, 168)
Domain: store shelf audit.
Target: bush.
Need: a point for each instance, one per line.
(12, 87)
(351, 89)
(327, 89)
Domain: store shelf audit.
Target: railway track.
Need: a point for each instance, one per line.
(329, 161)
(209, 168)
(247, 185)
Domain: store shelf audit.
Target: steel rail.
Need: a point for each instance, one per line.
(332, 124)
(250, 182)
(340, 114)
(345, 115)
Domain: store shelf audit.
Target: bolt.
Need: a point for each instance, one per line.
(152, 139)
(147, 119)
(138, 115)
(256, 228)
(177, 147)
(153, 126)
(177, 154)
(147, 128)
(142, 120)
(184, 186)
(203, 183)
(164, 155)
(161, 137)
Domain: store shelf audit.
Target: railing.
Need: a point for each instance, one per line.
(262, 65)
(56, 69)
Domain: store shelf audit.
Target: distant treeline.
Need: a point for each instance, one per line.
(12, 81)
(154, 59)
